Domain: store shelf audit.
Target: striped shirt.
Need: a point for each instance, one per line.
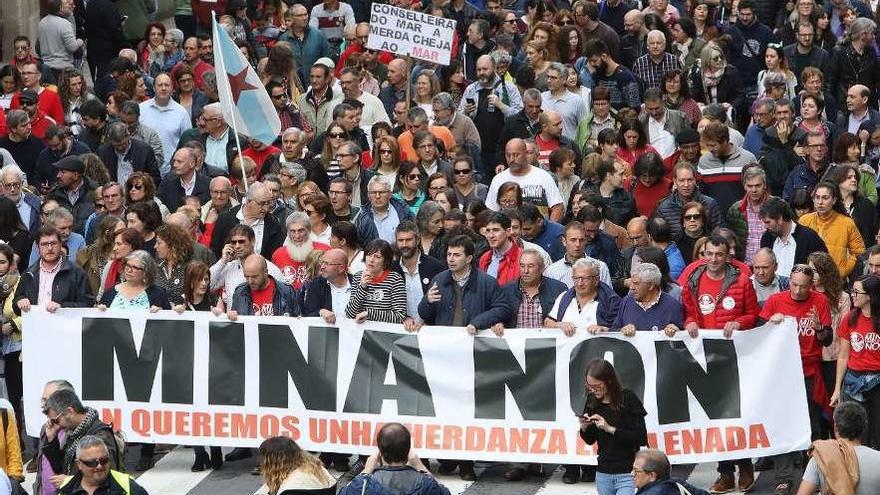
(650, 74)
(384, 298)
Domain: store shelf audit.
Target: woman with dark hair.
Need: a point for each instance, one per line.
(858, 207)
(145, 218)
(95, 256)
(174, 250)
(320, 211)
(614, 419)
(409, 187)
(811, 118)
(704, 16)
(73, 93)
(677, 96)
(633, 141)
(436, 183)
(344, 236)
(847, 151)
(379, 294)
(280, 65)
(151, 51)
(124, 242)
(452, 80)
(14, 233)
(562, 166)
(10, 83)
(686, 45)
(466, 187)
(291, 470)
(140, 187)
(801, 202)
(857, 365)
(648, 184)
(835, 227)
(824, 37)
(334, 138)
(570, 44)
(447, 200)
(10, 343)
(197, 296)
(380, 130)
(694, 222)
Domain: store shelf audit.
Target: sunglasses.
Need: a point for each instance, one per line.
(56, 419)
(462, 171)
(93, 463)
(336, 135)
(692, 217)
(386, 152)
(414, 177)
(136, 187)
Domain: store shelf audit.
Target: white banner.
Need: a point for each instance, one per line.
(410, 33)
(197, 379)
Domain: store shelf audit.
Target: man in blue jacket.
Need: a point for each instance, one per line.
(463, 296)
(543, 232)
(261, 294)
(651, 476)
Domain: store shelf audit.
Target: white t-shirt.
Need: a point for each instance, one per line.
(537, 186)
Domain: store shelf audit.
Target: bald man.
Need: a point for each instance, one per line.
(262, 294)
(857, 110)
(633, 44)
(637, 232)
(327, 295)
(221, 200)
(537, 185)
(398, 75)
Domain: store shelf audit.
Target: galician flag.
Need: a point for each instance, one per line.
(246, 104)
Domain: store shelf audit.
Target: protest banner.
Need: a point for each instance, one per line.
(407, 32)
(197, 379)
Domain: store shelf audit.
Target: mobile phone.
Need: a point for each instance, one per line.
(470, 101)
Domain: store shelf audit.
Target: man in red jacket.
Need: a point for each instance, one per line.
(719, 295)
(501, 261)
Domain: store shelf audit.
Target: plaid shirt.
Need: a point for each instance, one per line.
(529, 315)
(650, 74)
(756, 230)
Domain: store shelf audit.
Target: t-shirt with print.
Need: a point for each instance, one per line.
(708, 290)
(864, 343)
(262, 300)
(781, 302)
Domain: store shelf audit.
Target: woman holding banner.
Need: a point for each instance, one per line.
(858, 358)
(613, 419)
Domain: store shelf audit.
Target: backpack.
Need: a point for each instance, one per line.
(121, 445)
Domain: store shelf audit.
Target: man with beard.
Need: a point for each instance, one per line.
(487, 102)
(94, 119)
(374, 111)
(292, 256)
(551, 137)
(417, 268)
(466, 134)
(12, 180)
(622, 85)
(59, 143)
(73, 190)
(68, 287)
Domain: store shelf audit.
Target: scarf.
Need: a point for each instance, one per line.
(711, 79)
(113, 274)
(74, 436)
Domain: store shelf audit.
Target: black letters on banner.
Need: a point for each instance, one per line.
(315, 380)
(226, 360)
(534, 389)
(172, 340)
(716, 389)
(627, 363)
(367, 388)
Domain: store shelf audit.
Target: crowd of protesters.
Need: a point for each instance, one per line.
(611, 166)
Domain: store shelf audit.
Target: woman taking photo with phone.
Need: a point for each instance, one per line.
(614, 419)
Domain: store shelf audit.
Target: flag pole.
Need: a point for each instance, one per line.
(219, 52)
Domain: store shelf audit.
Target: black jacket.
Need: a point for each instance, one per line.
(46, 173)
(82, 209)
(518, 126)
(779, 159)
(806, 239)
(105, 36)
(69, 289)
(848, 68)
(139, 155)
(841, 124)
(273, 232)
(428, 269)
(316, 296)
(172, 194)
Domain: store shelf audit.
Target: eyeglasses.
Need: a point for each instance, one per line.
(585, 279)
(279, 97)
(510, 21)
(133, 267)
(337, 193)
(859, 293)
(309, 212)
(93, 463)
(99, 206)
(22, 48)
(12, 185)
(343, 155)
(49, 244)
(378, 193)
(462, 171)
(336, 135)
(386, 152)
(55, 420)
(237, 241)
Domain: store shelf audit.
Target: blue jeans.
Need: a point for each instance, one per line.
(615, 484)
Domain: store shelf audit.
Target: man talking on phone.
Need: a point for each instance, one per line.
(487, 102)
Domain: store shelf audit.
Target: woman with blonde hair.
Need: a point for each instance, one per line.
(427, 85)
(386, 157)
(287, 469)
(538, 58)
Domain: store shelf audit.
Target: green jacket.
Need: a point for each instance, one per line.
(138, 17)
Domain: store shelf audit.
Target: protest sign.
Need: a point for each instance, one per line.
(410, 33)
(197, 379)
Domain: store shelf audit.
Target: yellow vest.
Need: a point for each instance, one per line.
(122, 479)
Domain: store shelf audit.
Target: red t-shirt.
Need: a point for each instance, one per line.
(707, 300)
(294, 272)
(864, 343)
(811, 349)
(262, 299)
(647, 198)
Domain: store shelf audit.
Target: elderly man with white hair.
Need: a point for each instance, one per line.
(292, 257)
(12, 184)
(650, 68)
(647, 307)
(253, 212)
(380, 216)
(590, 305)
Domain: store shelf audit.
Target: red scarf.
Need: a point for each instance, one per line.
(113, 274)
